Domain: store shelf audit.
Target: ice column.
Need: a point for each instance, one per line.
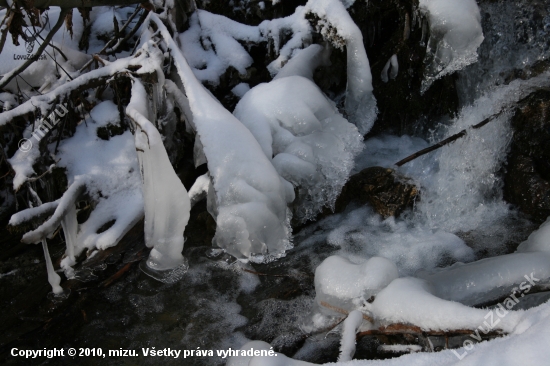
(167, 203)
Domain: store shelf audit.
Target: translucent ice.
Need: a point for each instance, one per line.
(167, 204)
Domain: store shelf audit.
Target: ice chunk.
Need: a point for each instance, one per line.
(345, 285)
(167, 204)
(245, 360)
(455, 35)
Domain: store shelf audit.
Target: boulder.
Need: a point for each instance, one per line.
(388, 192)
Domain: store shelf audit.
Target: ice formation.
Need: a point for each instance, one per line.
(312, 145)
(248, 199)
(349, 329)
(166, 201)
(53, 278)
(70, 227)
(360, 102)
(455, 35)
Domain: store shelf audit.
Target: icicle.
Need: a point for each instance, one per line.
(69, 225)
(53, 278)
(347, 343)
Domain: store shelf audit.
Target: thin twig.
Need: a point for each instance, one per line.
(129, 35)
(448, 140)
(263, 274)
(8, 77)
(112, 40)
(344, 312)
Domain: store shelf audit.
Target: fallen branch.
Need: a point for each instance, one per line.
(344, 312)
(448, 140)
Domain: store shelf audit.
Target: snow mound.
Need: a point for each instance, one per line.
(346, 285)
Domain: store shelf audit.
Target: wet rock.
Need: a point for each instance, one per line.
(527, 179)
(382, 188)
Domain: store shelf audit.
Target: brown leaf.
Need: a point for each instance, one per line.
(69, 22)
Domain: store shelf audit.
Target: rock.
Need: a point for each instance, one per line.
(527, 179)
(382, 188)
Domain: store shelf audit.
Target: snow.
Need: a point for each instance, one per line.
(305, 62)
(312, 145)
(110, 171)
(167, 204)
(248, 199)
(455, 35)
(240, 89)
(210, 45)
(199, 189)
